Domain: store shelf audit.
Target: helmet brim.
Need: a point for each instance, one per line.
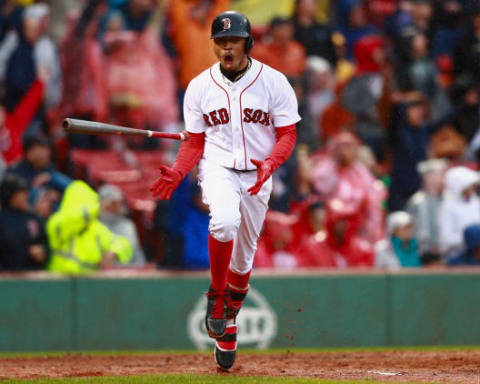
(226, 33)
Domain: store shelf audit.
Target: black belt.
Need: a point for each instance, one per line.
(243, 170)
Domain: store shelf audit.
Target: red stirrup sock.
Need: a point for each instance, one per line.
(220, 255)
(238, 286)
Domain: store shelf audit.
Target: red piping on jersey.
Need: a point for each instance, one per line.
(228, 99)
(241, 114)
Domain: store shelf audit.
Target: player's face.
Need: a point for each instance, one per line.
(230, 51)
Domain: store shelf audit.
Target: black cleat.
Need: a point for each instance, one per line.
(216, 317)
(226, 348)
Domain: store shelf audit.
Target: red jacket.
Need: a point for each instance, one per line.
(16, 122)
(323, 250)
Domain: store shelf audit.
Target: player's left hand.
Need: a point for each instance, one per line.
(264, 171)
(166, 183)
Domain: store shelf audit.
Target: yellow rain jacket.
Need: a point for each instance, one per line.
(77, 239)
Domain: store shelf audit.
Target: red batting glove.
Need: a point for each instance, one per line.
(166, 183)
(264, 171)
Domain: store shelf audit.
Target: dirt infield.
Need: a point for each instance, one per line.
(455, 366)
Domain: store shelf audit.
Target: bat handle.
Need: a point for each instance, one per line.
(182, 136)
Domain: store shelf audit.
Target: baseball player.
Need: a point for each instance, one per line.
(240, 115)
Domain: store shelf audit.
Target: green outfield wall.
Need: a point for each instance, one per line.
(161, 311)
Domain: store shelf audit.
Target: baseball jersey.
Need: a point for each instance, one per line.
(239, 118)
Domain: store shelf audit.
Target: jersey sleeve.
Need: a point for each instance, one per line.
(284, 110)
(194, 121)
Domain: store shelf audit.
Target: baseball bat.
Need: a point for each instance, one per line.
(95, 128)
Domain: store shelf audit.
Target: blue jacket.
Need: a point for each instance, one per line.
(19, 231)
(471, 237)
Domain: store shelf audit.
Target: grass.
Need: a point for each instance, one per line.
(188, 379)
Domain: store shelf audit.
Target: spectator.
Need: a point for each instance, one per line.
(422, 14)
(140, 81)
(189, 29)
(137, 14)
(281, 52)
(79, 242)
(275, 247)
(354, 23)
(471, 254)
(419, 73)
(84, 91)
(14, 124)
(410, 132)
(113, 215)
(42, 202)
(449, 29)
(335, 118)
(195, 231)
(424, 207)
(22, 55)
(464, 94)
(36, 166)
(363, 92)
(321, 92)
(312, 220)
(46, 56)
(345, 69)
(400, 25)
(459, 209)
(400, 249)
(23, 244)
(340, 247)
(466, 57)
(315, 37)
(10, 17)
(340, 176)
(306, 130)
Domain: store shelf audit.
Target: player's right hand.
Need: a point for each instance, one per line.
(166, 183)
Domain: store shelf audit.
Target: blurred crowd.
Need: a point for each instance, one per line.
(384, 174)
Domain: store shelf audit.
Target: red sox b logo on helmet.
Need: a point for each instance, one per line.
(226, 23)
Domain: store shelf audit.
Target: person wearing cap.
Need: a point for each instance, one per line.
(400, 248)
(113, 215)
(23, 243)
(459, 209)
(424, 206)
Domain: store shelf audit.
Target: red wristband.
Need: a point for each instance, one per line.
(190, 153)
(286, 138)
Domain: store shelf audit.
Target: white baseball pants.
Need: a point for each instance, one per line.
(234, 214)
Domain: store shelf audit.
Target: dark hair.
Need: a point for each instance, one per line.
(35, 140)
(279, 20)
(11, 184)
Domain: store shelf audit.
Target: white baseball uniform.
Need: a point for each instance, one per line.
(239, 120)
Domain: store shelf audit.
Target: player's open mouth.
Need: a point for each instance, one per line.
(228, 59)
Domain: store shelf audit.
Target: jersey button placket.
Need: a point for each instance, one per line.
(236, 131)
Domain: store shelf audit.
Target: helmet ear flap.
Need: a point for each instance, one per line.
(249, 44)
